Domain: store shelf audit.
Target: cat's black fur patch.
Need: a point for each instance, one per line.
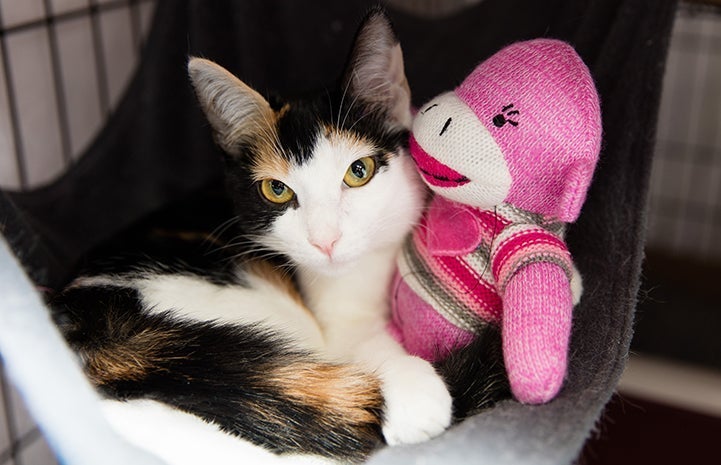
(300, 125)
(254, 214)
(188, 237)
(476, 375)
(164, 251)
(220, 372)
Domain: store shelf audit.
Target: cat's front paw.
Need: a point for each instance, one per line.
(418, 405)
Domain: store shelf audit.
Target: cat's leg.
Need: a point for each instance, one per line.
(353, 311)
(418, 404)
(180, 438)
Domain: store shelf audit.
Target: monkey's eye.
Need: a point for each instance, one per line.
(445, 126)
(428, 108)
(504, 117)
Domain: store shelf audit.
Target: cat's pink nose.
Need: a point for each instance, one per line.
(326, 246)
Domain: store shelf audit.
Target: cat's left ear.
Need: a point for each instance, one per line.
(375, 74)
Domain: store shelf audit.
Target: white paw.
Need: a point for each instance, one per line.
(418, 405)
(576, 285)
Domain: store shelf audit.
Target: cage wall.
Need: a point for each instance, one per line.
(64, 65)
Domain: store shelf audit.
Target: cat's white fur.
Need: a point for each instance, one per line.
(179, 438)
(189, 297)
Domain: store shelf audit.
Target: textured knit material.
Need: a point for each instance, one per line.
(540, 325)
(463, 277)
(510, 155)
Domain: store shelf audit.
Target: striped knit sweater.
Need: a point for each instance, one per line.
(458, 263)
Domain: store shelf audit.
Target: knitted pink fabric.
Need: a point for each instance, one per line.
(537, 326)
(513, 148)
(455, 268)
(552, 152)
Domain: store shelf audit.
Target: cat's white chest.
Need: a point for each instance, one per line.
(351, 306)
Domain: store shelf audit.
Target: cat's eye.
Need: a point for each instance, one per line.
(360, 172)
(276, 191)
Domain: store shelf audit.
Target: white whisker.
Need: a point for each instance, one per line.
(358, 121)
(349, 107)
(224, 226)
(342, 99)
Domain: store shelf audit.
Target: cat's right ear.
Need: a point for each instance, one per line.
(235, 111)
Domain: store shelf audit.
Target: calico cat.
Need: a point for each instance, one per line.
(290, 354)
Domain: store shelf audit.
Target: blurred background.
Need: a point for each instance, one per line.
(64, 65)
(668, 409)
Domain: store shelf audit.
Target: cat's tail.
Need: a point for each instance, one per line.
(475, 375)
(248, 381)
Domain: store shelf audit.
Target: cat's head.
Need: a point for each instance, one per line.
(324, 180)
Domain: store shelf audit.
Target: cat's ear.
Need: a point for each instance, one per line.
(235, 111)
(375, 74)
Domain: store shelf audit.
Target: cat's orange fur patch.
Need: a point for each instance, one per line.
(278, 278)
(351, 140)
(130, 360)
(269, 162)
(187, 236)
(282, 112)
(347, 138)
(338, 391)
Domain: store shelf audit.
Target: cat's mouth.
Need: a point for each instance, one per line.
(329, 266)
(433, 171)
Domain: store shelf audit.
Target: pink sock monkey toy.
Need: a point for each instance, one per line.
(509, 155)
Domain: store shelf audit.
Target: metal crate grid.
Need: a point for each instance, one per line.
(685, 195)
(64, 65)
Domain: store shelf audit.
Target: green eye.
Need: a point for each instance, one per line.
(276, 191)
(360, 172)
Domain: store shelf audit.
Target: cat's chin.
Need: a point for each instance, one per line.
(329, 267)
(339, 264)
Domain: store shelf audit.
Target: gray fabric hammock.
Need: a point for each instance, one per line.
(156, 150)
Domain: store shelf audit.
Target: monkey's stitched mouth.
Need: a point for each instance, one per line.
(433, 171)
